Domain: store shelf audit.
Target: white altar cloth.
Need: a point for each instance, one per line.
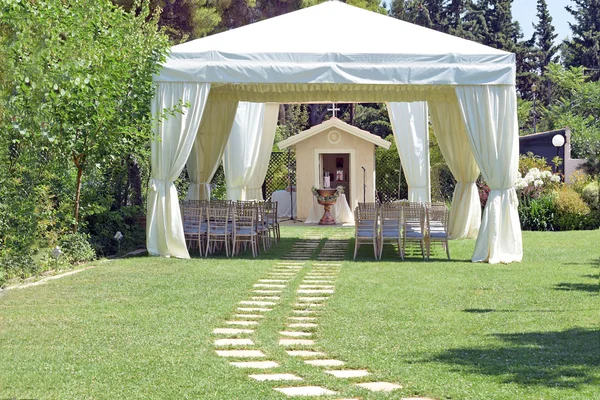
(340, 211)
(284, 207)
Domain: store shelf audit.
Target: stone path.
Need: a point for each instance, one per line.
(312, 284)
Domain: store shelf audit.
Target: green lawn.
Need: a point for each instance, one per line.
(141, 327)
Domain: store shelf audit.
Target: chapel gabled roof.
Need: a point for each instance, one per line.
(334, 123)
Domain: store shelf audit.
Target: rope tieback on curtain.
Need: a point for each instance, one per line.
(155, 183)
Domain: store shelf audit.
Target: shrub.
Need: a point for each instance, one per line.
(538, 214)
(591, 194)
(529, 161)
(571, 210)
(127, 220)
(579, 180)
(17, 264)
(77, 248)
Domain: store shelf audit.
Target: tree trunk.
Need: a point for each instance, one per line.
(77, 195)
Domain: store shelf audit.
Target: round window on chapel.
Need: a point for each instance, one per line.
(334, 137)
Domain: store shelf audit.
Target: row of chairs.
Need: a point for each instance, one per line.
(212, 225)
(399, 223)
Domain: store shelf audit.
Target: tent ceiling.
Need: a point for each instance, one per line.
(337, 43)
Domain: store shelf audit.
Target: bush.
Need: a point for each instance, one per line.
(538, 214)
(127, 220)
(571, 211)
(17, 264)
(529, 161)
(77, 248)
(591, 194)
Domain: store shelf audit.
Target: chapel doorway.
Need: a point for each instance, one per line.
(338, 167)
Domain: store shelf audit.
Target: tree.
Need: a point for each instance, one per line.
(584, 48)
(545, 50)
(83, 86)
(180, 19)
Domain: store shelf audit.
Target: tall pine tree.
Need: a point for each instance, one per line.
(584, 48)
(545, 50)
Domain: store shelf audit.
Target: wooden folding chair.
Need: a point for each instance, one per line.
(413, 215)
(244, 229)
(390, 217)
(365, 229)
(218, 228)
(437, 226)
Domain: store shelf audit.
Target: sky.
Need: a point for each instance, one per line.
(525, 12)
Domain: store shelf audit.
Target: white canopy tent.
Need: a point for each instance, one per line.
(470, 89)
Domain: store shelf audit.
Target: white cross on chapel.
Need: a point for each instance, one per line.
(334, 109)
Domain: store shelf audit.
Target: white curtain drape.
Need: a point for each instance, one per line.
(209, 146)
(170, 150)
(254, 186)
(246, 156)
(450, 131)
(411, 133)
(490, 115)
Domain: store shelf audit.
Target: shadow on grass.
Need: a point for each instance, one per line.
(566, 359)
(593, 288)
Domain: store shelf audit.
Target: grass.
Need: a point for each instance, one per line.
(141, 327)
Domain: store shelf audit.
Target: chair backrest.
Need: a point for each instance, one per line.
(368, 206)
(413, 215)
(217, 216)
(390, 215)
(366, 220)
(191, 213)
(437, 218)
(245, 219)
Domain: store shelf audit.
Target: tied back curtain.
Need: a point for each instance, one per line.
(246, 156)
(450, 131)
(411, 133)
(209, 146)
(490, 115)
(170, 150)
(254, 187)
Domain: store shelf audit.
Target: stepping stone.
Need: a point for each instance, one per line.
(295, 333)
(296, 342)
(379, 386)
(327, 265)
(273, 280)
(304, 353)
(284, 274)
(242, 323)
(315, 291)
(267, 291)
(347, 373)
(232, 331)
(304, 312)
(234, 342)
(249, 316)
(258, 303)
(305, 391)
(265, 298)
(303, 325)
(275, 377)
(253, 309)
(302, 318)
(269, 285)
(255, 364)
(241, 353)
(417, 398)
(325, 363)
(309, 299)
(316, 286)
(303, 305)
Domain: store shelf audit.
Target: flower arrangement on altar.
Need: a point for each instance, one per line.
(339, 190)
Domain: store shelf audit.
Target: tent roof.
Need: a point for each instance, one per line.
(334, 123)
(335, 43)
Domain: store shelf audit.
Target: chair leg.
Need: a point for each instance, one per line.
(355, 247)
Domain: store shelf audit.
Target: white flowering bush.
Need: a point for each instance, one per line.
(535, 183)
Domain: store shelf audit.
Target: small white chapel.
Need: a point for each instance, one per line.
(337, 150)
